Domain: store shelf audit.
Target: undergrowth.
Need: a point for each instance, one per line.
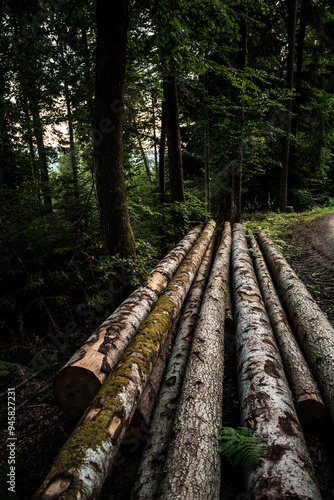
(240, 447)
(280, 225)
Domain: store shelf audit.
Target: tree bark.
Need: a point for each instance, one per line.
(173, 139)
(42, 160)
(237, 161)
(265, 399)
(153, 458)
(162, 145)
(292, 21)
(87, 457)
(307, 398)
(80, 379)
(74, 165)
(314, 331)
(109, 114)
(192, 467)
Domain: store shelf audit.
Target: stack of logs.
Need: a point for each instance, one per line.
(119, 376)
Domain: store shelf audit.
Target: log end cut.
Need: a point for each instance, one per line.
(311, 412)
(74, 388)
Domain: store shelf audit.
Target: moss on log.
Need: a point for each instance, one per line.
(192, 467)
(80, 379)
(85, 460)
(153, 458)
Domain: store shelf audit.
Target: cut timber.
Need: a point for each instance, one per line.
(153, 459)
(307, 398)
(265, 398)
(192, 467)
(80, 379)
(86, 459)
(315, 333)
(143, 414)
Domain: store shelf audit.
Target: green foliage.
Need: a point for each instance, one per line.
(6, 368)
(240, 447)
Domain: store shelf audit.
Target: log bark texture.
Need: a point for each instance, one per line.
(192, 467)
(154, 455)
(314, 331)
(86, 459)
(80, 379)
(308, 401)
(265, 398)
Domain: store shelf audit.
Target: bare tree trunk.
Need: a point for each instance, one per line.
(87, 457)
(265, 399)
(162, 145)
(314, 331)
(153, 458)
(74, 165)
(79, 380)
(42, 160)
(192, 467)
(237, 162)
(307, 398)
(108, 138)
(173, 139)
(292, 20)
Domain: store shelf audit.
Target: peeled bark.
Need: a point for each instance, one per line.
(86, 459)
(80, 379)
(153, 458)
(307, 398)
(192, 467)
(315, 333)
(265, 398)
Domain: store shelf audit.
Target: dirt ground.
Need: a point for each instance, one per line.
(312, 250)
(42, 428)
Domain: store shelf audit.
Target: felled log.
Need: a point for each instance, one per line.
(142, 417)
(265, 398)
(307, 398)
(80, 379)
(314, 331)
(192, 467)
(86, 459)
(153, 458)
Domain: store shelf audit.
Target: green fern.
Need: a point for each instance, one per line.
(240, 447)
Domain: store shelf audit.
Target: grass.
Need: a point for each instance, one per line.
(280, 225)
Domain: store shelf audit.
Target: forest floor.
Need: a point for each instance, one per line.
(41, 427)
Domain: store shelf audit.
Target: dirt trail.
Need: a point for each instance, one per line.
(314, 260)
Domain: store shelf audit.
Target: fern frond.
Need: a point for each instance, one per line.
(240, 447)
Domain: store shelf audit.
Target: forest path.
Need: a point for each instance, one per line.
(313, 259)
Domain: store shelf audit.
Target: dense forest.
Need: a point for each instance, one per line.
(123, 126)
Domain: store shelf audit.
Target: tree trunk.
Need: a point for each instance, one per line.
(307, 398)
(237, 162)
(296, 107)
(42, 160)
(265, 399)
(79, 380)
(162, 145)
(315, 333)
(292, 21)
(87, 457)
(174, 156)
(192, 467)
(173, 139)
(153, 458)
(109, 114)
(74, 165)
